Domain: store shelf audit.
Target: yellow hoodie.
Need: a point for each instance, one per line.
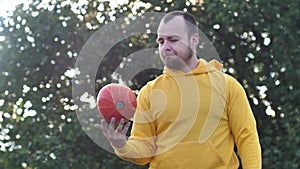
(192, 121)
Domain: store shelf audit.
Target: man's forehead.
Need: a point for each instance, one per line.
(174, 27)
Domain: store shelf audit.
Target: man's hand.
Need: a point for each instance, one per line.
(117, 137)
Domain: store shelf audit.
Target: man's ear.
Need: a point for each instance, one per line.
(194, 40)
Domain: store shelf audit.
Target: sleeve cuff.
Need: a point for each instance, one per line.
(121, 151)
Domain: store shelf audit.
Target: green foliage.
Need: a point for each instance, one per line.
(256, 40)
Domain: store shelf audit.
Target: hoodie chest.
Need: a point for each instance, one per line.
(179, 101)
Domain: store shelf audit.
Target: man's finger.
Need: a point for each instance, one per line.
(103, 127)
(98, 126)
(126, 127)
(120, 126)
(111, 128)
(112, 123)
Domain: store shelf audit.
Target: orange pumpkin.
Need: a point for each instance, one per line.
(115, 100)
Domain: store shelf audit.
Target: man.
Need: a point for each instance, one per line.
(192, 115)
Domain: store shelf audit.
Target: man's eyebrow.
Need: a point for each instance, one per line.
(168, 37)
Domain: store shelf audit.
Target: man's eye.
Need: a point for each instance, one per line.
(174, 40)
(160, 42)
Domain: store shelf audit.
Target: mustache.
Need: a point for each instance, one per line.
(168, 53)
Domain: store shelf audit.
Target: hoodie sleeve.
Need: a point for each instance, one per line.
(140, 147)
(243, 126)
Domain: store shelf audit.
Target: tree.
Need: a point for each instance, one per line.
(256, 40)
(39, 128)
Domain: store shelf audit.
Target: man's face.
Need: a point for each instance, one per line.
(174, 43)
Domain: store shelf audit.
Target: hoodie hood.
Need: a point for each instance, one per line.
(203, 67)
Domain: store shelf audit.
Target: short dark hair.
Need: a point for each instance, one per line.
(192, 25)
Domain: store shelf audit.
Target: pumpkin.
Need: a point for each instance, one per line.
(116, 100)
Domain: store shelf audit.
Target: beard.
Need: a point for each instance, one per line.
(172, 61)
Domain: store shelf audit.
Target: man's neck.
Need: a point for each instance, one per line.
(191, 65)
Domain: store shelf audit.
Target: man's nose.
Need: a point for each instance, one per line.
(166, 46)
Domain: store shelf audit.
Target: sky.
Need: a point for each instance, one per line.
(9, 5)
